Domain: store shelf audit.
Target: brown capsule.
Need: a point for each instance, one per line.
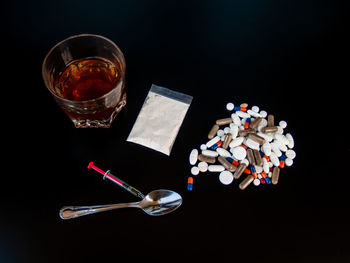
(275, 175)
(228, 139)
(270, 120)
(250, 156)
(240, 170)
(257, 158)
(213, 131)
(247, 181)
(244, 133)
(223, 121)
(256, 138)
(225, 163)
(207, 159)
(255, 123)
(268, 129)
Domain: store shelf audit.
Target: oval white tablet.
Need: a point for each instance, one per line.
(226, 177)
(252, 144)
(193, 156)
(222, 152)
(216, 168)
(210, 153)
(195, 170)
(239, 153)
(289, 162)
(236, 142)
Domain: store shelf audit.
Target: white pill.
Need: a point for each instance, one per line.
(210, 153)
(276, 149)
(203, 167)
(242, 114)
(281, 138)
(203, 147)
(263, 113)
(234, 131)
(213, 141)
(266, 166)
(239, 153)
(245, 161)
(230, 106)
(290, 154)
(253, 113)
(236, 142)
(288, 162)
(283, 124)
(281, 145)
(280, 130)
(226, 177)
(195, 170)
(222, 152)
(259, 176)
(252, 144)
(258, 169)
(193, 156)
(216, 168)
(290, 141)
(236, 120)
(227, 130)
(269, 174)
(255, 108)
(274, 159)
(220, 132)
(266, 148)
(256, 182)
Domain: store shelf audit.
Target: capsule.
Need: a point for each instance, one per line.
(227, 141)
(275, 175)
(255, 123)
(213, 131)
(247, 123)
(247, 181)
(270, 120)
(256, 138)
(282, 161)
(190, 183)
(223, 121)
(225, 163)
(257, 158)
(240, 170)
(269, 129)
(250, 156)
(207, 159)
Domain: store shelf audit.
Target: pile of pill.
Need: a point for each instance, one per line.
(248, 143)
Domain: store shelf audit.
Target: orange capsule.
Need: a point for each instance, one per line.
(244, 109)
(219, 143)
(246, 125)
(267, 158)
(190, 180)
(282, 163)
(246, 171)
(263, 174)
(235, 163)
(245, 147)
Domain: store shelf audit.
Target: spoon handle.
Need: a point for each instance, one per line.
(69, 212)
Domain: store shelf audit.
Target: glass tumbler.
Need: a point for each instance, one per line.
(86, 76)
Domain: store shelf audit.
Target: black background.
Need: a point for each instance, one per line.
(288, 57)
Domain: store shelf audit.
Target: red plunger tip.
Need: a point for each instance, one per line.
(90, 165)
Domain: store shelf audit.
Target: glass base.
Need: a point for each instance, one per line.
(105, 123)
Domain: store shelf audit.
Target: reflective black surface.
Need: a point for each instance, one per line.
(287, 57)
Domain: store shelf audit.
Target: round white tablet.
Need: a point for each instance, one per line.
(226, 177)
(256, 182)
(230, 106)
(290, 154)
(203, 167)
(195, 170)
(239, 153)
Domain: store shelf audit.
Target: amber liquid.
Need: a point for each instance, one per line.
(89, 79)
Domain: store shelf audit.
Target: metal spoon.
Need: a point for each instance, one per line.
(156, 203)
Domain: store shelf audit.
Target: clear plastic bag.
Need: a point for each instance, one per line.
(160, 118)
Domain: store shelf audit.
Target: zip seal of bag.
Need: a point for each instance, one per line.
(160, 119)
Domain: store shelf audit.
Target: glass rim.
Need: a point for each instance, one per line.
(73, 37)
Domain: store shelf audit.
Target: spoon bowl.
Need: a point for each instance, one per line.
(156, 203)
